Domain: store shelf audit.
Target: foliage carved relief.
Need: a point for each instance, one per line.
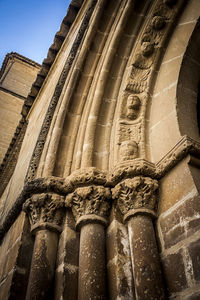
(45, 207)
(135, 193)
(89, 200)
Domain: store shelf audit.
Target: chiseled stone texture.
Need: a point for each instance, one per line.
(120, 279)
(15, 259)
(66, 274)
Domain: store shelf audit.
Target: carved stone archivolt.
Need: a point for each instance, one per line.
(45, 210)
(136, 195)
(90, 203)
(145, 58)
(35, 159)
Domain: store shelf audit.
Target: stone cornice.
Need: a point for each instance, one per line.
(130, 169)
(185, 146)
(14, 55)
(12, 93)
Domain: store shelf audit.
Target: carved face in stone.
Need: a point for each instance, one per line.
(147, 48)
(128, 150)
(133, 106)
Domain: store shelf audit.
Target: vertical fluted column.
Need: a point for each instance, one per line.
(90, 206)
(45, 212)
(136, 199)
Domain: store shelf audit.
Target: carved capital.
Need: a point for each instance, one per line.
(90, 204)
(136, 195)
(45, 211)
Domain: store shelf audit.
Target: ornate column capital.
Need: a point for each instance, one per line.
(45, 211)
(136, 195)
(90, 204)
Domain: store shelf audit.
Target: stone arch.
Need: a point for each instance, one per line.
(188, 87)
(165, 119)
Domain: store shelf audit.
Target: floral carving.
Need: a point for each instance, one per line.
(135, 193)
(89, 200)
(43, 208)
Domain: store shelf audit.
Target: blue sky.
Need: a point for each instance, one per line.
(28, 27)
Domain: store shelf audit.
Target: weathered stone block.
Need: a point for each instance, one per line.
(181, 222)
(194, 252)
(5, 286)
(174, 270)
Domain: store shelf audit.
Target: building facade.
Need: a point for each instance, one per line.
(100, 188)
(16, 77)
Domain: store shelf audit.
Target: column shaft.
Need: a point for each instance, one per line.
(92, 264)
(145, 259)
(40, 286)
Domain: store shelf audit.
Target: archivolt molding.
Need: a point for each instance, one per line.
(147, 54)
(53, 103)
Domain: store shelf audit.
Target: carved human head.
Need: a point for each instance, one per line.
(133, 106)
(128, 150)
(147, 48)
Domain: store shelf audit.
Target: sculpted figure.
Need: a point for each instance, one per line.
(133, 106)
(128, 150)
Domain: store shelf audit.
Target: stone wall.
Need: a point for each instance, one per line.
(108, 172)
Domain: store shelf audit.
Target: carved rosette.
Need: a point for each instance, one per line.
(90, 204)
(45, 211)
(136, 195)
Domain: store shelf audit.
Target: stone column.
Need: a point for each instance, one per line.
(136, 199)
(90, 207)
(45, 212)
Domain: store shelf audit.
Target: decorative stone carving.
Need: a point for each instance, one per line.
(128, 132)
(45, 210)
(147, 48)
(133, 106)
(128, 150)
(137, 81)
(89, 200)
(90, 175)
(158, 22)
(136, 194)
(145, 59)
(185, 146)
